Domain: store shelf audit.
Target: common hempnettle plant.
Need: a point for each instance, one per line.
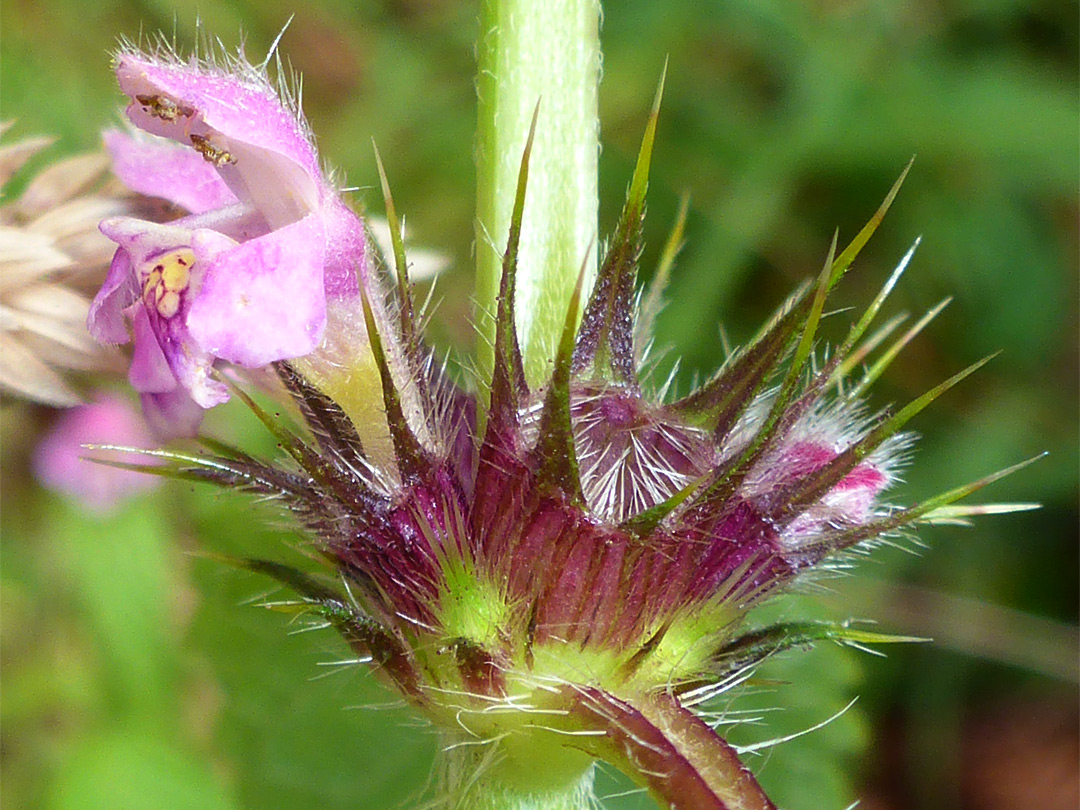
(555, 563)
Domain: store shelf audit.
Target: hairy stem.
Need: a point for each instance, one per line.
(497, 776)
(530, 53)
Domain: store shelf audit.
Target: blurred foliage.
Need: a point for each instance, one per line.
(137, 675)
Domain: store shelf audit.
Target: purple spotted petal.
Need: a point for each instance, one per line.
(260, 300)
(164, 169)
(165, 351)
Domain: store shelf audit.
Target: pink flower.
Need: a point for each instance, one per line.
(59, 461)
(245, 277)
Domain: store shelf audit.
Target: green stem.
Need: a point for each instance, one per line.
(548, 53)
(501, 777)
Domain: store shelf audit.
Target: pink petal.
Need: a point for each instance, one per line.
(150, 371)
(193, 367)
(166, 357)
(160, 168)
(347, 253)
(262, 300)
(106, 319)
(142, 239)
(59, 461)
(173, 415)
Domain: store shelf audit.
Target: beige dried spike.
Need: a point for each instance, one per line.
(52, 260)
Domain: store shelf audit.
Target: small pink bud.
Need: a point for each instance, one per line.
(60, 462)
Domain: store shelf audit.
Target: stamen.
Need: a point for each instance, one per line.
(213, 154)
(164, 107)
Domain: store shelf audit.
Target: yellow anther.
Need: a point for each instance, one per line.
(164, 107)
(212, 154)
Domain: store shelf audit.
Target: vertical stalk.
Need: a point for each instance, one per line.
(530, 52)
(526, 774)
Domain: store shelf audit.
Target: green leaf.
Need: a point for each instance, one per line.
(127, 770)
(121, 568)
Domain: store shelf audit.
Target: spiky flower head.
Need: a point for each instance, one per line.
(551, 573)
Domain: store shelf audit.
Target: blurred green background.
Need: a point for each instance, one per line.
(136, 675)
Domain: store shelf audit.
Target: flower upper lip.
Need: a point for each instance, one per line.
(243, 119)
